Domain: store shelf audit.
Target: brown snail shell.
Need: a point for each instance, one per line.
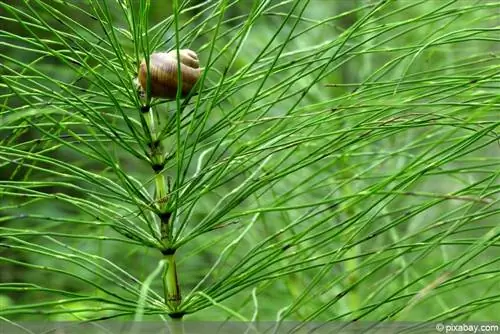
(163, 72)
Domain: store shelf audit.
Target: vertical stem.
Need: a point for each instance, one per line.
(150, 120)
(161, 194)
(171, 289)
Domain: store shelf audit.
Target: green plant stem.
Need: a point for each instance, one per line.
(161, 198)
(171, 287)
(151, 123)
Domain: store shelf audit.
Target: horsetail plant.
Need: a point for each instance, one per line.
(260, 160)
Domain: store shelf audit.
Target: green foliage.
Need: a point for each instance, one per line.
(337, 161)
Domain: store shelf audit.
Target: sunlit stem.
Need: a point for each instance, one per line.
(151, 123)
(161, 194)
(171, 289)
(157, 163)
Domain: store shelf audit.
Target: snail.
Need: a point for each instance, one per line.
(163, 72)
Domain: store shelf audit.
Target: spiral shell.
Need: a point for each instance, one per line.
(163, 72)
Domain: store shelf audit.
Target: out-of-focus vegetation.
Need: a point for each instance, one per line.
(339, 161)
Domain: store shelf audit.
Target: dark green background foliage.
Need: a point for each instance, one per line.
(338, 160)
